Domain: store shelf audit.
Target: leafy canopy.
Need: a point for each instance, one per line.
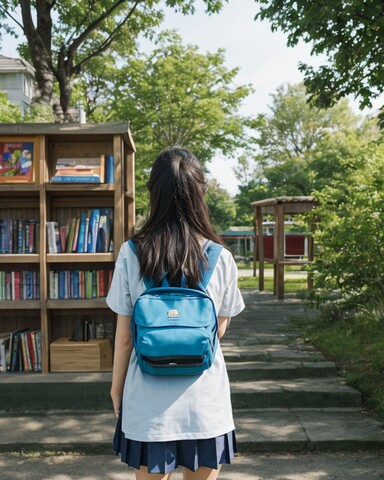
(300, 148)
(176, 95)
(350, 234)
(62, 36)
(349, 32)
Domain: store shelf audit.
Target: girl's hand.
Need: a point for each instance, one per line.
(116, 400)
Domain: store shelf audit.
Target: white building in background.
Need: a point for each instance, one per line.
(17, 79)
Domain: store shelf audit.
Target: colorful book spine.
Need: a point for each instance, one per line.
(79, 284)
(109, 169)
(80, 241)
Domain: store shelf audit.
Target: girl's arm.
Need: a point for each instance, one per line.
(123, 350)
(223, 324)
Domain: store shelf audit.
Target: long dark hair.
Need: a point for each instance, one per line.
(170, 240)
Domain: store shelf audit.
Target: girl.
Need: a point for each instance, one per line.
(171, 421)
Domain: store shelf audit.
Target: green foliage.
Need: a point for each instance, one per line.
(62, 37)
(300, 148)
(38, 113)
(9, 112)
(251, 192)
(349, 33)
(221, 206)
(357, 346)
(176, 95)
(350, 235)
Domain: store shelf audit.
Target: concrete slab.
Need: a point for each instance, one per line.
(251, 371)
(347, 427)
(295, 393)
(278, 353)
(325, 466)
(258, 430)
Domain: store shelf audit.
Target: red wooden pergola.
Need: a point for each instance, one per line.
(279, 207)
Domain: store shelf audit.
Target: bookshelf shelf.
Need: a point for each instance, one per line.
(21, 189)
(19, 258)
(79, 303)
(79, 187)
(35, 204)
(19, 304)
(80, 257)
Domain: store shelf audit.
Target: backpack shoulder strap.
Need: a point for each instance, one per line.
(147, 283)
(213, 251)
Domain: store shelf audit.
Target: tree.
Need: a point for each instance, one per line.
(350, 219)
(350, 33)
(9, 112)
(301, 148)
(63, 36)
(250, 192)
(221, 206)
(176, 95)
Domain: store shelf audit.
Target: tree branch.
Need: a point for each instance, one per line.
(6, 12)
(77, 68)
(107, 42)
(87, 32)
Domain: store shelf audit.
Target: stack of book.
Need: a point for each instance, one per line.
(84, 170)
(89, 233)
(79, 284)
(19, 235)
(20, 351)
(18, 285)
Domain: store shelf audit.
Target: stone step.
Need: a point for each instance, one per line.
(257, 430)
(270, 353)
(252, 371)
(55, 391)
(295, 393)
(287, 430)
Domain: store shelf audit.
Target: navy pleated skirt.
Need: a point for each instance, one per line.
(163, 457)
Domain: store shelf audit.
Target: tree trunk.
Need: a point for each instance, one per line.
(39, 46)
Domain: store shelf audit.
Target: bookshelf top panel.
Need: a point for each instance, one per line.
(70, 129)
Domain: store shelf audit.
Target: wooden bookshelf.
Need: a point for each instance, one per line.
(40, 200)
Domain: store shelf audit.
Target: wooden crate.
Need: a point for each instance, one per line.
(92, 356)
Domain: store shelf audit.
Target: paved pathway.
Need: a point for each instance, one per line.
(296, 419)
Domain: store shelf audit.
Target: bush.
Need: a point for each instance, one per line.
(349, 261)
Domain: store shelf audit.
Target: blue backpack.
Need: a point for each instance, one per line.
(175, 329)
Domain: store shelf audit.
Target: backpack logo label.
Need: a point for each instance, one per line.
(173, 314)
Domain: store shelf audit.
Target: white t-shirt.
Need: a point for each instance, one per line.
(157, 408)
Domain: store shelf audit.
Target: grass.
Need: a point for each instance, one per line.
(269, 266)
(291, 285)
(356, 345)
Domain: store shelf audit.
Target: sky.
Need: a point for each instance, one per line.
(262, 56)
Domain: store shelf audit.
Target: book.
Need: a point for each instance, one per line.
(71, 235)
(80, 241)
(63, 237)
(79, 170)
(93, 230)
(16, 358)
(109, 169)
(51, 236)
(104, 234)
(76, 235)
(76, 179)
(4, 347)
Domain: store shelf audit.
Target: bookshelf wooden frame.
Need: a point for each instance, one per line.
(77, 140)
